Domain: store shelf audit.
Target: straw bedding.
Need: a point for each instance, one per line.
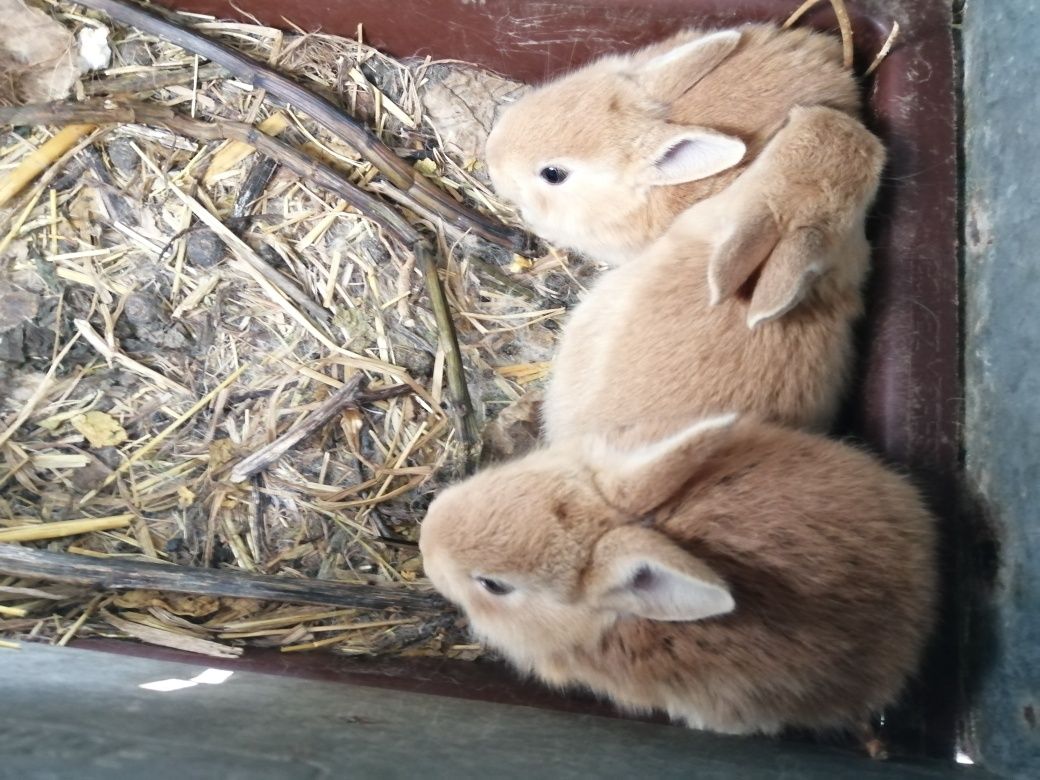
(140, 361)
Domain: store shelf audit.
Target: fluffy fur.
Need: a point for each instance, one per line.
(609, 122)
(747, 302)
(790, 578)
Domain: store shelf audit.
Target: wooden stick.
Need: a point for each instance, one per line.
(176, 640)
(458, 390)
(260, 76)
(121, 574)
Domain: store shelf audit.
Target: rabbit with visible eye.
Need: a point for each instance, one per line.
(733, 307)
(739, 576)
(603, 159)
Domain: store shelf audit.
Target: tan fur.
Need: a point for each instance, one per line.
(607, 120)
(647, 342)
(828, 557)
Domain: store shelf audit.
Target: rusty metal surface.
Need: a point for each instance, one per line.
(907, 405)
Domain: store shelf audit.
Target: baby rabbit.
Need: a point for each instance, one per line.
(603, 159)
(739, 576)
(746, 302)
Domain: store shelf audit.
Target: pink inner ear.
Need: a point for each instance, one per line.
(673, 152)
(643, 578)
(697, 156)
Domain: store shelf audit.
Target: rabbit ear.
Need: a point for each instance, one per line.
(638, 571)
(667, 76)
(738, 255)
(639, 481)
(789, 265)
(787, 276)
(689, 155)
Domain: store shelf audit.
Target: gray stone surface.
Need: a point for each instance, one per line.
(1002, 365)
(67, 713)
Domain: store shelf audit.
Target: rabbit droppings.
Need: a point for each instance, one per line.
(740, 576)
(603, 159)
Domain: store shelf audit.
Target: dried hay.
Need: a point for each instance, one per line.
(140, 361)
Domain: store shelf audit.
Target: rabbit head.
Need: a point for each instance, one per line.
(544, 553)
(601, 160)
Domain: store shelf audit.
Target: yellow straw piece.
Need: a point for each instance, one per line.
(38, 161)
(56, 530)
(233, 152)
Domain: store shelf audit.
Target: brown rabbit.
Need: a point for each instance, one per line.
(739, 576)
(705, 323)
(603, 159)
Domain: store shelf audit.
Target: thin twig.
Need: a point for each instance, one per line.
(342, 125)
(345, 397)
(458, 390)
(799, 12)
(120, 574)
(844, 25)
(885, 49)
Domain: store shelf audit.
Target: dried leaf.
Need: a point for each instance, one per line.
(16, 307)
(158, 636)
(37, 55)
(176, 603)
(221, 452)
(426, 166)
(100, 429)
(461, 101)
(185, 497)
(515, 431)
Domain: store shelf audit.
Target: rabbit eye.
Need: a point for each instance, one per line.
(494, 587)
(553, 175)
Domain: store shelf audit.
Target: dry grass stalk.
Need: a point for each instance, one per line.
(841, 12)
(890, 41)
(158, 439)
(41, 531)
(174, 639)
(111, 354)
(40, 160)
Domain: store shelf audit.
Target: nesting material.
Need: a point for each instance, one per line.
(37, 55)
(160, 327)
